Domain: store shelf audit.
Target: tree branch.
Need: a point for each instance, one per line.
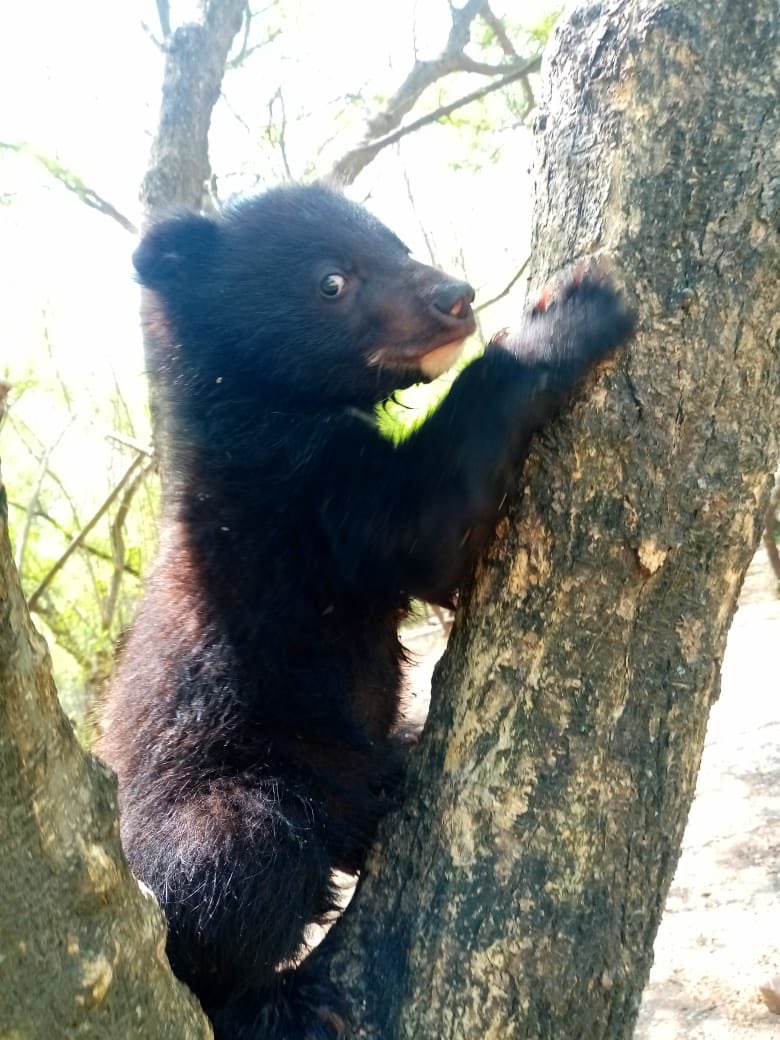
(32, 505)
(507, 288)
(118, 540)
(349, 166)
(70, 180)
(179, 167)
(63, 559)
(164, 14)
(88, 942)
(93, 550)
(489, 18)
(130, 442)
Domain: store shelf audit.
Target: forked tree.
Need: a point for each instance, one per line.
(518, 890)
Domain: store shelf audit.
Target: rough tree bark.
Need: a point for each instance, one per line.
(81, 947)
(518, 892)
(179, 168)
(195, 57)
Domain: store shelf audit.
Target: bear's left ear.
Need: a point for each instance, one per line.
(174, 249)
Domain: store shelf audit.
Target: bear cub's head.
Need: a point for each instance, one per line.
(297, 296)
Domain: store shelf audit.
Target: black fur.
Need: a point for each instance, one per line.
(253, 719)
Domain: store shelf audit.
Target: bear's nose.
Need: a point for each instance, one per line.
(453, 298)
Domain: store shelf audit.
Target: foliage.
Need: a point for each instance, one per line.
(50, 430)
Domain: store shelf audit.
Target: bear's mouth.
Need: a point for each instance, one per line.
(437, 361)
(431, 360)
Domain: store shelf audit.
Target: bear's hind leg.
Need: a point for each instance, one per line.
(240, 868)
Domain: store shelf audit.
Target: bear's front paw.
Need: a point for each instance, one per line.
(592, 317)
(580, 319)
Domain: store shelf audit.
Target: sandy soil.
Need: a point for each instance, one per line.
(719, 939)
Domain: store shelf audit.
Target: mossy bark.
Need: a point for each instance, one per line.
(519, 891)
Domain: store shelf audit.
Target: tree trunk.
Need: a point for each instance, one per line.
(179, 167)
(518, 892)
(81, 946)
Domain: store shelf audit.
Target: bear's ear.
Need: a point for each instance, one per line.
(175, 248)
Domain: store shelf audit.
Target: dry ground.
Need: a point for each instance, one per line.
(719, 939)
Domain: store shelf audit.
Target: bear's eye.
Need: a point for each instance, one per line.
(333, 284)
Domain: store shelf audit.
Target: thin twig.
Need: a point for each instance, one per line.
(63, 559)
(420, 223)
(282, 132)
(507, 288)
(164, 14)
(32, 505)
(347, 168)
(118, 542)
(500, 33)
(86, 547)
(70, 180)
(129, 442)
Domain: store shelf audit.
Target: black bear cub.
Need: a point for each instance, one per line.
(253, 721)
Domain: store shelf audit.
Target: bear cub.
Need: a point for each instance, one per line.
(253, 720)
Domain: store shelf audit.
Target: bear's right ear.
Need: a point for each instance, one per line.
(174, 248)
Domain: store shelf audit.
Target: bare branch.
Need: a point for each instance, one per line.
(530, 100)
(77, 541)
(279, 137)
(26, 434)
(349, 166)
(130, 442)
(164, 14)
(484, 68)
(86, 547)
(63, 631)
(32, 505)
(507, 288)
(385, 128)
(425, 73)
(70, 180)
(76, 518)
(420, 223)
(150, 33)
(118, 541)
(52, 354)
(246, 50)
(500, 33)
(179, 168)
